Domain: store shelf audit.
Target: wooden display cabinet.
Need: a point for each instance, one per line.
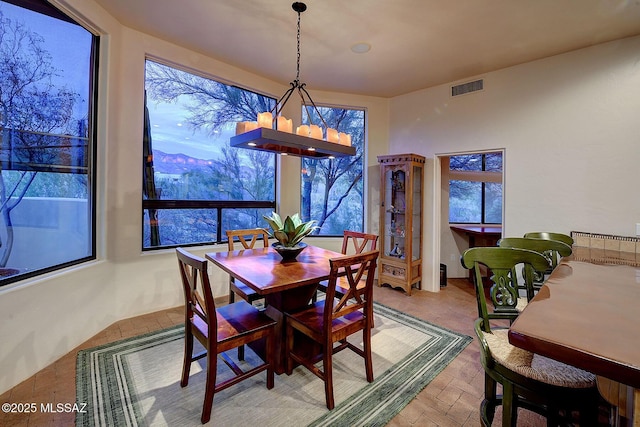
(401, 198)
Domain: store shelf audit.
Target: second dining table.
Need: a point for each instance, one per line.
(586, 315)
(287, 286)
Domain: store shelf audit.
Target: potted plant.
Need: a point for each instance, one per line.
(289, 234)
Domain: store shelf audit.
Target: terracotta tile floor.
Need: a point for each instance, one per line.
(451, 399)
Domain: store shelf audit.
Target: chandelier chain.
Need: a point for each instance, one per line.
(298, 57)
(307, 101)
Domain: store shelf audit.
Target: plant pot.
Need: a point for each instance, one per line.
(289, 253)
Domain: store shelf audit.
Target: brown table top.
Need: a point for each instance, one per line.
(586, 315)
(264, 271)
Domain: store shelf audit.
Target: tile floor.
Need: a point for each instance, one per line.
(451, 399)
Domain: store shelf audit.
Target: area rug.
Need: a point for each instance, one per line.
(136, 382)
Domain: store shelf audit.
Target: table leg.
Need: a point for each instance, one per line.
(279, 350)
(624, 399)
(277, 305)
(635, 415)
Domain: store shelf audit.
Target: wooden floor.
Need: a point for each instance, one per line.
(451, 399)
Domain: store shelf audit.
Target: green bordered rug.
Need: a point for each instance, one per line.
(136, 382)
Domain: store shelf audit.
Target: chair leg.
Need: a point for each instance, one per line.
(210, 387)
(553, 416)
(488, 405)
(368, 363)
(589, 410)
(232, 295)
(188, 354)
(509, 409)
(270, 356)
(241, 352)
(327, 367)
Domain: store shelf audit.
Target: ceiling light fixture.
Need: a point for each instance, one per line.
(362, 47)
(308, 140)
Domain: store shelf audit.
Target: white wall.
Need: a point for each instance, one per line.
(570, 128)
(42, 319)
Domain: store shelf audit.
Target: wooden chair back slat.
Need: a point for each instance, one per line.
(357, 242)
(197, 288)
(352, 268)
(247, 237)
(504, 292)
(553, 250)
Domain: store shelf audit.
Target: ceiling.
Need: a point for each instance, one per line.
(415, 44)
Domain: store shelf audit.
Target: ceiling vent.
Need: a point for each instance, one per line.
(468, 87)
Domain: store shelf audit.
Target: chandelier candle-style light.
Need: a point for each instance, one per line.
(308, 140)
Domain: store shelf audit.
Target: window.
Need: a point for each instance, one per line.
(195, 185)
(475, 188)
(48, 67)
(332, 189)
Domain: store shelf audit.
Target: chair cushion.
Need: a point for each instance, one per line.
(534, 366)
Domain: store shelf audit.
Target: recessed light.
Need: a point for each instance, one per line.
(311, 149)
(360, 47)
(251, 144)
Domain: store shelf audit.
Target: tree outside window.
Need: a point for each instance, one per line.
(47, 72)
(475, 188)
(332, 189)
(195, 185)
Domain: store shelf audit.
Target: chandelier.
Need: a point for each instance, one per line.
(274, 133)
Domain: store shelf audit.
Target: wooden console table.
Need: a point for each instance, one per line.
(479, 235)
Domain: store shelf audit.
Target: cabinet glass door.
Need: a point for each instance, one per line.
(416, 223)
(395, 206)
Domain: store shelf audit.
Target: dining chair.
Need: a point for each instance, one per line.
(353, 242)
(247, 239)
(219, 329)
(332, 320)
(548, 387)
(560, 237)
(553, 250)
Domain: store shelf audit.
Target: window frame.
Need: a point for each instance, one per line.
(483, 176)
(45, 8)
(218, 205)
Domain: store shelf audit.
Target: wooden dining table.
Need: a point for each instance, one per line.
(287, 286)
(586, 315)
(479, 235)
